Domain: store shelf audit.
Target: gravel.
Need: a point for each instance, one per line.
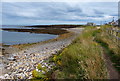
(20, 65)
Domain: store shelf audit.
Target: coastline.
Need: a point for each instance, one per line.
(33, 54)
(19, 47)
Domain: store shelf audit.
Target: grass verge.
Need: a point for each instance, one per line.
(111, 48)
(82, 59)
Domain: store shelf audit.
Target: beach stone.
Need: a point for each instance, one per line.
(8, 67)
(25, 52)
(6, 76)
(16, 57)
(2, 77)
(11, 59)
(26, 61)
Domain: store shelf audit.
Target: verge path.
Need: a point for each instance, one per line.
(113, 73)
(21, 64)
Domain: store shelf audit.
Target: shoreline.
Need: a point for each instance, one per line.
(26, 60)
(20, 47)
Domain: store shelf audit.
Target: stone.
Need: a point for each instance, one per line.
(25, 51)
(2, 77)
(11, 59)
(6, 76)
(8, 67)
(16, 57)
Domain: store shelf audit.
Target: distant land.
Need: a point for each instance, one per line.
(54, 31)
(54, 26)
(46, 29)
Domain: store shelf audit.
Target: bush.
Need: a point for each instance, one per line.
(38, 75)
(39, 67)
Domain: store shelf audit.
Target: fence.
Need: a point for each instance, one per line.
(114, 35)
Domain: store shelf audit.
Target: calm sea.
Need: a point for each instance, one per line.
(11, 38)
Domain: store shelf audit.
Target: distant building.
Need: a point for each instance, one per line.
(118, 21)
(113, 22)
(91, 24)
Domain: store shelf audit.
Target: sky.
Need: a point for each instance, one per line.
(35, 13)
(60, 0)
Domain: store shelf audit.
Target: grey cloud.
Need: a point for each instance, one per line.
(98, 12)
(47, 11)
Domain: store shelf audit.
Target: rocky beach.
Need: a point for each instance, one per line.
(19, 65)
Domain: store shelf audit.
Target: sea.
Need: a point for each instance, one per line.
(14, 37)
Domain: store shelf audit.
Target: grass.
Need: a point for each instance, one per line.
(39, 74)
(106, 41)
(82, 59)
(39, 67)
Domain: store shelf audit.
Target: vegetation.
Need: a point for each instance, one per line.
(83, 59)
(54, 31)
(111, 48)
(39, 74)
(56, 26)
(39, 67)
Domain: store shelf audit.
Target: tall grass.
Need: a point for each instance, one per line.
(82, 59)
(106, 41)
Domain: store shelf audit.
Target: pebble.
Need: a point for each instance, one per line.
(26, 61)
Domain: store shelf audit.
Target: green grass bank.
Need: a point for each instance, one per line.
(83, 59)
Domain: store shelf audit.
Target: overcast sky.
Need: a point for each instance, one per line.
(27, 13)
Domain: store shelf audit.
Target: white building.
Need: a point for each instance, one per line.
(91, 24)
